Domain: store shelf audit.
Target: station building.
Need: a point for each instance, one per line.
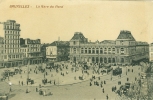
(124, 50)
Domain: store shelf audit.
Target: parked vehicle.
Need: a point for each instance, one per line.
(117, 71)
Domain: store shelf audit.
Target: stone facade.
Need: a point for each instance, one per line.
(124, 50)
(31, 51)
(1, 50)
(12, 53)
(62, 51)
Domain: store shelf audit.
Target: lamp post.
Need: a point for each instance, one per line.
(27, 90)
(10, 84)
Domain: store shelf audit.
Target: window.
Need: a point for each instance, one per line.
(121, 42)
(105, 51)
(89, 50)
(85, 50)
(74, 42)
(113, 50)
(97, 50)
(109, 60)
(117, 50)
(101, 50)
(122, 60)
(109, 50)
(122, 50)
(93, 50)
(113, 60)
(101, 60)
(74, 50)
(105, 60)
(93, 59)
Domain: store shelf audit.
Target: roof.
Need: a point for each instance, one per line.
(126, 35)
(141, 43)
(59, 43)
(79, 36)
(108, 42)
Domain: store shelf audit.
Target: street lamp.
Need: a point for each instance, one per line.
(10, 84)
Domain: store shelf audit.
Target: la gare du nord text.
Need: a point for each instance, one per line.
(37, 6)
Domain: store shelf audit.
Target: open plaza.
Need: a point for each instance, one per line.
(68, 82)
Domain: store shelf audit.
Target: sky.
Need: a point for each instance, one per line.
(97, 20)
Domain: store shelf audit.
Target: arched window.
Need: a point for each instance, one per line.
(74, 59)
(113, 50)
(85, 50)
(101, 60)
(113, 60)
(82, 50)
(105, 60)
(93, 59)
(105, 51)
(109, 60)
(122, 50)
(109, 50)
(97, 60)
(89, 50)
(97, 50)
(93, 50)
(74, 50)
(122, 60)
(101, 50)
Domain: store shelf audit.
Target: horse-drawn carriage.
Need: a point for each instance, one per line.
(45, 92)
(117, 71)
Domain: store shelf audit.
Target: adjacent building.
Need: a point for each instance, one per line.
(58, 51)
(124, 50)
(151, 52)
(1, 51)
(16, 51)
(12, 52)
(31, 50)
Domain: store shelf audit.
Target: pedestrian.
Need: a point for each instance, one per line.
(104, 82)
(54, 82)
(19, 82)
(103, 90)
(127, 79)
(22, 83)
(112, 89)
(135, 78)
(107, 97)
(10, 89)
(90, 84)
(36, 89)
(101, 85)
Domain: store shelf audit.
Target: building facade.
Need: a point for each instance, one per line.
(124, 50)
(1, 51)
(151, 52)
(58, 51)
(51, 53)
(12, 53)
(31, 51)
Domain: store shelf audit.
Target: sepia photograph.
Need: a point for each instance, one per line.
(76, 50)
